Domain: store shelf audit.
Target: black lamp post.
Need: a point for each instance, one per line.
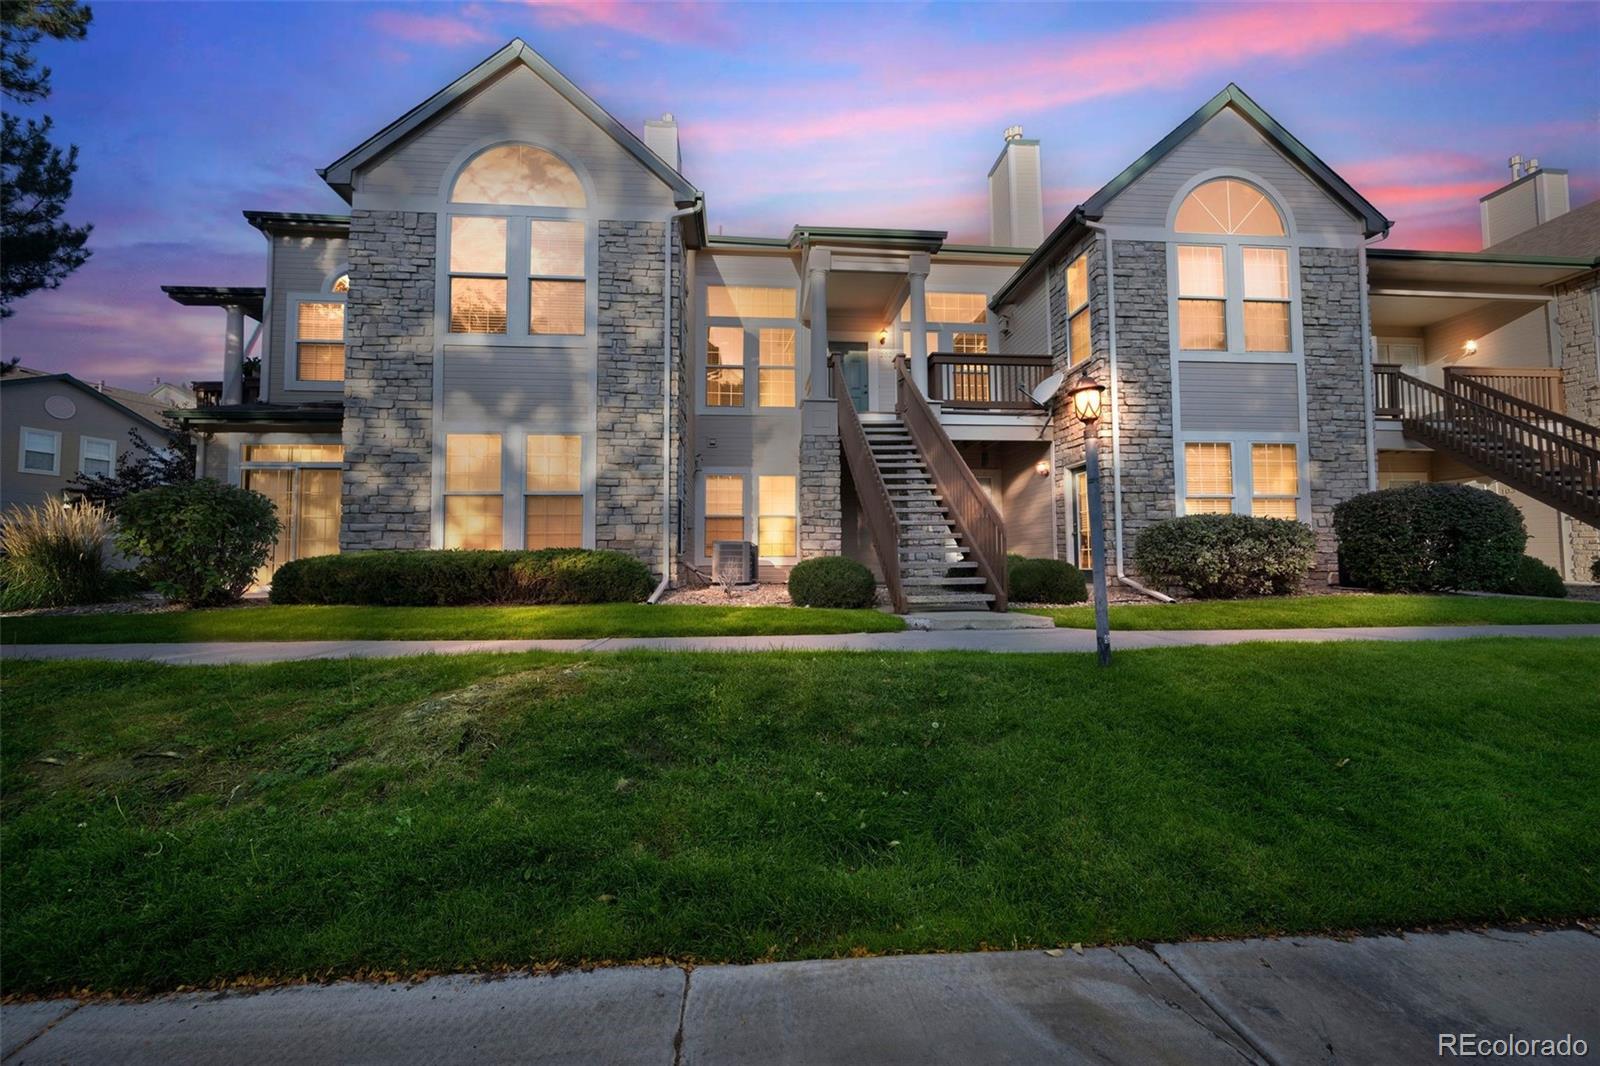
(1086, 396)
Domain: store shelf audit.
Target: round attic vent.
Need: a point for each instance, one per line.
(60, 407)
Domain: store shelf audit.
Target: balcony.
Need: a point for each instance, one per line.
(209, 393)
(986, 382)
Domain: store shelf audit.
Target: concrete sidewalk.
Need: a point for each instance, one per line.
(1308, 1000)
(1017, 640)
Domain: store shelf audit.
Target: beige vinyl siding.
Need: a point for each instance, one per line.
(519, 106)
(1238, 397)
(1227, 142)
(1030, 325)
(301, 266)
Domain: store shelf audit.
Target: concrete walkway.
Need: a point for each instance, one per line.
(1370, 1000)
(1020, 640)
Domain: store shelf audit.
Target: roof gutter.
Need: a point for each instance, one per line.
(667, 292)
(1068, 227)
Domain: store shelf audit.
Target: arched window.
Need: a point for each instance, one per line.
(1229, 207)
(341, 284)
(518, 174)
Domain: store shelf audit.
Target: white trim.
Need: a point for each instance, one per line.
(701, 545)
(22, 451)
(1239, 444)
(83, 443)
(291, 329)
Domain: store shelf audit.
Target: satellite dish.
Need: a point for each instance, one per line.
(1046, 390)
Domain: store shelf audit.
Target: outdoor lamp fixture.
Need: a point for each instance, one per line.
(1086, 396)
(883, 337)
(1042, 467)
(1470, 348)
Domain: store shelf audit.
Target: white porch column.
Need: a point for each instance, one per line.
(233, 357)
(817, 288)
(918, 272)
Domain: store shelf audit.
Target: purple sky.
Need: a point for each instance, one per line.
(887, 115)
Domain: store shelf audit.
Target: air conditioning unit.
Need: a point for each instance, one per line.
(733, 561)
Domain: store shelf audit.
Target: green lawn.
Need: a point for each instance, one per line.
(183, 825)
(443, 623)
(1314, 612)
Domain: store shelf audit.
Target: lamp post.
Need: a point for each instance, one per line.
(1086, 397)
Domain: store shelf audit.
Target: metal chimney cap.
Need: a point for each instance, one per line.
(1013, 133)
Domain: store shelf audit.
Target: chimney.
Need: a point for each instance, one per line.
(1532, 197)
(661, 136)
(1016, 194)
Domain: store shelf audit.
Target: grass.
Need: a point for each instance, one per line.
(442, 623)
(165, 826)
(1316, 612)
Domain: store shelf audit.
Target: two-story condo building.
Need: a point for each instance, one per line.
(522, 334)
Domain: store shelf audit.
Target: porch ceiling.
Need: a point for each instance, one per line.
(857, 294)
(1417, 312)
(1466, 271)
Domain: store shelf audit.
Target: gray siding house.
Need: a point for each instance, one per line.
(522, 334)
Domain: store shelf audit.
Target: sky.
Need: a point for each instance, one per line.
(825, 114)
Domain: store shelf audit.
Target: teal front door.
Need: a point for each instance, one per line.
(854, 363)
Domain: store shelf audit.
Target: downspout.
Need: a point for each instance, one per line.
(1367, 353)
(1116, 417)
(668, 290)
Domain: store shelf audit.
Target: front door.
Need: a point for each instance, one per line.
(853, 361)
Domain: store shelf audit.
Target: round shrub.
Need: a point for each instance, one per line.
(831, 581)
(201, 541)
(54, 556)
(1428, 538)
(1534, 578)
(1224, 556)
(454, 578)
(1043, 581)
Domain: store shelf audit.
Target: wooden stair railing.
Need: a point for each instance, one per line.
(1550, 457)
(974, 517)
(871, 490)
(1537, 385)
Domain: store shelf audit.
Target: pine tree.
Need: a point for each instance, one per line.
(35, 175)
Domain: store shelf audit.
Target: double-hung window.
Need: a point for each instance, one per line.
(1208, 477)
(97, 456)
(725, 366)
(724, 509)
(554, 487)
(748, 324)
(1077, 289)
(1080, 482)
(1266, 299)
(526, 224)
(319, 340)
(1233, 283)
(41, 451)
(777, 516)
(1274, 481)
(1202, 298)
(474, 501)
(776, 370)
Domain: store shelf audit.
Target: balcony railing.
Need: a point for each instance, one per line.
(987, 381)
(1540, 386)
(209, 393)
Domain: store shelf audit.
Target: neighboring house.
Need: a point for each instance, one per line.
(57, 427)
(522, 334)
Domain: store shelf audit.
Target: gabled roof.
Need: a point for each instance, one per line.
(340, 172)
(1093, 209)
(34, 378)
(1575, 234)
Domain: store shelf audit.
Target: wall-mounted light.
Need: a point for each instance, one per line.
(1042, 467)
(883, 337)
(1470, 348)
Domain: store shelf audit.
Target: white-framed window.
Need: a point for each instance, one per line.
(553, 490)
(777, 516)
(317, 346)
(97, 456)
(725, 509)
(1242, 476)
(1077, 292)
(40, 451)
(1081, 539)
(750, 327)
(474, 494)
(1234, 288)
(517, 211)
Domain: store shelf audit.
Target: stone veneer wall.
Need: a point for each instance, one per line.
(388, 392)
(821, 509)
(1336, 430)
(630, 513)
(1580, 373)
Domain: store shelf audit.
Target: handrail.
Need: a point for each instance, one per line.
(1517, 407)
(971, 512)
(985, 380)
(1544, 457)
(1385, 400)
(871, 490)
(1538, 385)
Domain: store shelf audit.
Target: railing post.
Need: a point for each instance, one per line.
(918, 276)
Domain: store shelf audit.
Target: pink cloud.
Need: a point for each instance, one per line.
(433, 29)
(673, 23)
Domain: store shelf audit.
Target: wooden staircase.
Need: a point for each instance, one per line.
(1542, 453)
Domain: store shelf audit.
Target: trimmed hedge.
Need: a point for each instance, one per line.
(831, 581)
(454, 578)
(201, 542)
(1534, 578)
(1044, 581)
(1224, 556)
(1429, 538)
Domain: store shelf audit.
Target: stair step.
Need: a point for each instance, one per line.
(941, 582)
